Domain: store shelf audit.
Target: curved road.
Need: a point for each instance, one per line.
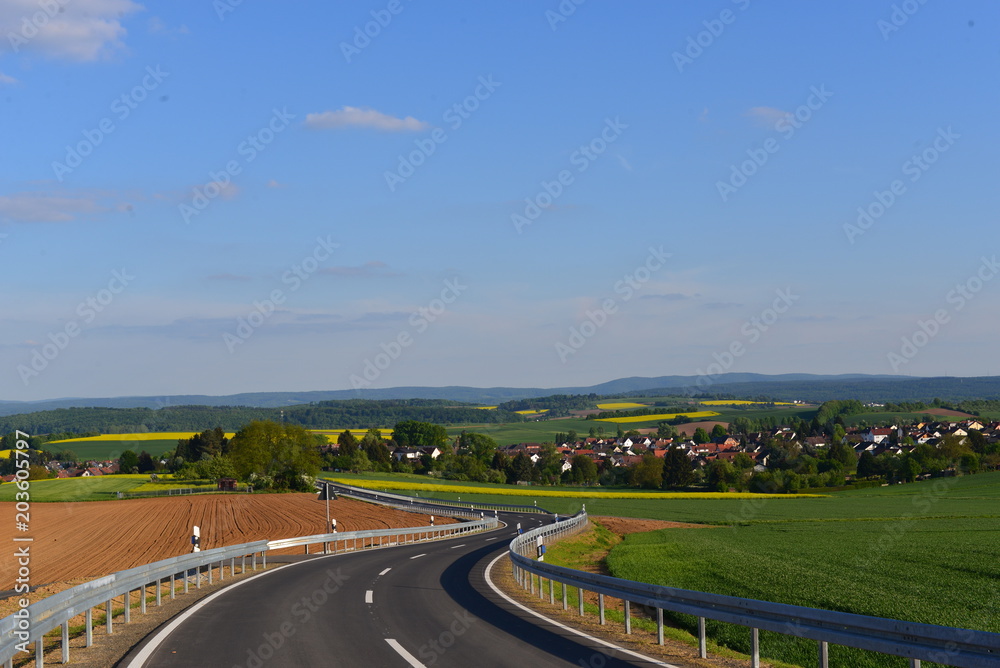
(426, 604)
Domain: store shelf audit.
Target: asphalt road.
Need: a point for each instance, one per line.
(415, 605)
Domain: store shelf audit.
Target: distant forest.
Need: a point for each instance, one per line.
(353, 414)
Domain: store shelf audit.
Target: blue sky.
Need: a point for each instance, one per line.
(218, 197)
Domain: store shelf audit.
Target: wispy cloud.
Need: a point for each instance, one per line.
(766, 116)
(42, 207)
(357, 117)
(669, 297)
(7, 79)
(81, 30)
(157, 26)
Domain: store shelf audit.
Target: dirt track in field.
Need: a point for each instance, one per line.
(89, 539)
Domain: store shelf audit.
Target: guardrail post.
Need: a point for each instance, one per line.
(65, 642)
(232, 566)
(39, 653)
(659, 626)
(531, 577)
(210, 574)
(128, 606)
(222, 570)
(173, 594)
(198, 578)
(142, 602)
(107, 616)
(90, 627)
(580, 592)
(702, 639)
(754, 648)
(253, 559)
(628, 618)
(565, 597)
(824, 654)
(552, 591)
(600, 607)
(263, 558)
(914, 663)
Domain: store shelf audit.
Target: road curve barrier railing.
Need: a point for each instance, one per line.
(365, 494)
(30, 625)
(964, 648)
(348, 541)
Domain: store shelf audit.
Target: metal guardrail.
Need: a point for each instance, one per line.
(415, 534)
(918, 642)
(370, 494)
(30, 624)
(19, 630)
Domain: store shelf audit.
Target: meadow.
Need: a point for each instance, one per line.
(98, 488)
(923, 552)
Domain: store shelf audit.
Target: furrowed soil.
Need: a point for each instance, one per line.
(95, 538)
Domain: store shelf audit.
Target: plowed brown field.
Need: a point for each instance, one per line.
(95, 538)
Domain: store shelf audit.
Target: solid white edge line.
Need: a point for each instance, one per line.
(385, 571)
(146, 652)
(410, 659)
(418, 556)
(369, 596)
(642, 657)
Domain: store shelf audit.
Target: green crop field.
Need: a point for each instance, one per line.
(111, 449)
(924, 552)
(102, 488)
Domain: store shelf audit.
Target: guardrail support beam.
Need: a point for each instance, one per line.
(39, 653)
(914, 663)
(90, 627)
(128, 606)
(754, 648)
(628, 618)
(552, 591)
(824, 655)
(65, 642)
(659, 626)
(581, 600)
(600, 608)
(107, 616)
(702, 640)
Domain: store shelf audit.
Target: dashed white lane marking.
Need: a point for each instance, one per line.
(454, 546)
(386, 571)
(410, 659)
(494, 538)
(419, 555)
(369, 596)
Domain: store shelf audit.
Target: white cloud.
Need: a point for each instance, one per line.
(81, 30)
(363, 118)
(766, 116)
(6, 79)
(274, 184)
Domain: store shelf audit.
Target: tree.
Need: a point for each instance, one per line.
(648, 473)
(678, 470)
(583, 469)
(700, 436)
(128, 462)
(284, 455)
(572, 436)
(718, 431)
(722, 475)
(549, 463)
(145, 463)
(521, 468)
(348, 445)
(481, 447)
(415, 434)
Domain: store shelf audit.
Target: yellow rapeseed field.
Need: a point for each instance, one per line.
(660, 416)
(401, 485)
(485, 408)
(149, 436)
(544, 410)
